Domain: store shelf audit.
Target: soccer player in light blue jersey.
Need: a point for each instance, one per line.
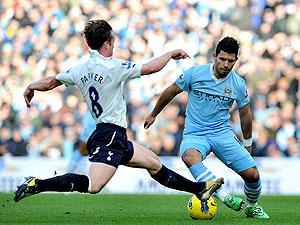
(89, 126)
(212, 89)
(78, 162)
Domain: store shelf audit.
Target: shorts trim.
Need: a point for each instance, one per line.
(112, 138)
(242, 164)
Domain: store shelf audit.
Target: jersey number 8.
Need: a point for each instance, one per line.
(94, 96)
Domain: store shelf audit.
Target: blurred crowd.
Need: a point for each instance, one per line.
(42, 38)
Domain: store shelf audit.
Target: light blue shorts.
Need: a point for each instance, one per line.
(225, 146)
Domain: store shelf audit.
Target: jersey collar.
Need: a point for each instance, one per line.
(100, 59)
(95, 54)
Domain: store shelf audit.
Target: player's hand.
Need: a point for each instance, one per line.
(28, 95)
(149, 120)
(179, 54)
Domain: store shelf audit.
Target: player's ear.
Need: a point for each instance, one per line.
(215, 56)
(106, 44)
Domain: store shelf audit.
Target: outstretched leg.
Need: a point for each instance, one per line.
(144, 158)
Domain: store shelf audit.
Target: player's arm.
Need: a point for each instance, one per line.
(157, 64)
(83, 148)
(44, 84)
(164, 99)
(246, 125)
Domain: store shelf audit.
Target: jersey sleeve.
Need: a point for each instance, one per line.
(243, 97)
(67, 78)
(129, 70)
(184, 80)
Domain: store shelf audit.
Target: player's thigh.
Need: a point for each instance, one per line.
(194, 149)
(100, 174)
(230, 150)
(144, 158)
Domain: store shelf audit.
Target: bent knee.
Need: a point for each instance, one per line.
(251, 175)
(191, 156)
(154, 164)
(96, 187)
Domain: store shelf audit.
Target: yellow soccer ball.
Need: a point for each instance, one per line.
(198, 210)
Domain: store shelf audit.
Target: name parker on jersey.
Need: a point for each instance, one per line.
(91, 76)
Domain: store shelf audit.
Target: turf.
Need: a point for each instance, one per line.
(133, 209)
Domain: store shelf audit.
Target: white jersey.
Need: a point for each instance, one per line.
(101, 81)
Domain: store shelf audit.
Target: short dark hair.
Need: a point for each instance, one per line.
(96, 32)
(229, 45)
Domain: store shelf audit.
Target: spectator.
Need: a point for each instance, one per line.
(16, 145)
(2, 151)
(35, 39)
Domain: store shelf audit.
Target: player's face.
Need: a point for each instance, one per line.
(224, 63)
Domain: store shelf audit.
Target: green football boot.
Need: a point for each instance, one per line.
(256, 211)
(234, 203)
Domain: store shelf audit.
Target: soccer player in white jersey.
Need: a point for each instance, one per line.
(101, 80)
(212, 89)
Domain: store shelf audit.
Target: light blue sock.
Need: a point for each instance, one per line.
(252, 192)
(202, 174)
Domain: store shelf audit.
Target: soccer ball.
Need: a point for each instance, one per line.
(199, 210)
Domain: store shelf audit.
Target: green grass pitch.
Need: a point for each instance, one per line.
(133, 209)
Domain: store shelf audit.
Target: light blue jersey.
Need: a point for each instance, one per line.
(207, 125)
(209, 99)
(89, 126)
(78, 163)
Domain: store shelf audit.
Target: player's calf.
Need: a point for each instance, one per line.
(66, 183)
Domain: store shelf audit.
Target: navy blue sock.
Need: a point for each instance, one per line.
(173, 180)
(65, 183)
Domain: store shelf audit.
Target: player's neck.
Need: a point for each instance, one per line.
(216, 73)
(104, 53)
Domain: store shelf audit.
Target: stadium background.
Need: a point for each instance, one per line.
(42, 38)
